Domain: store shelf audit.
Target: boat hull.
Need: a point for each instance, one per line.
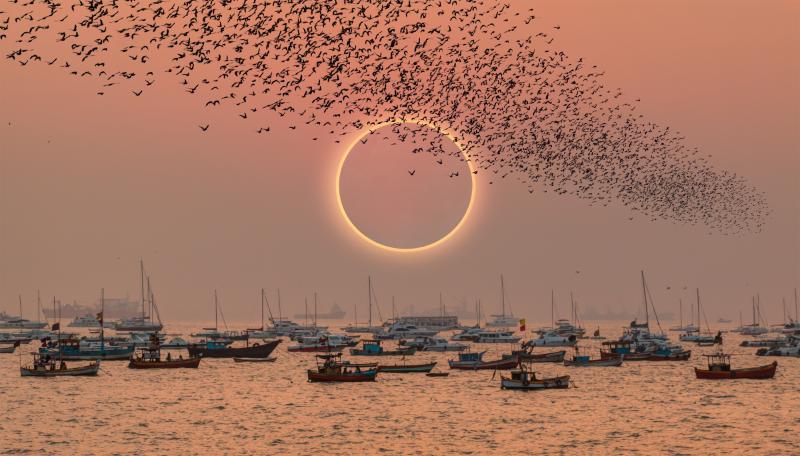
(190, 363)
(365, 376)
(69, 372)
(552, 357)
(611, 362)
(561, 382)
(254, 360)
(253, 351)
(755, 373)
(402, 352)
(316, 348)
(500, 364)
(407, 369)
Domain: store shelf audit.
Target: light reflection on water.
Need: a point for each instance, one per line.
(269, 408)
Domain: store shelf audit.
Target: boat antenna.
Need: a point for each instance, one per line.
(375, 298)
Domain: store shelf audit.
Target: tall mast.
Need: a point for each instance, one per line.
(394, 309)
(141, 273)
(369, 296)
(280, 314)
(262, 309)
(680, 312)
(39, 306)
(216, 311)
(552, 309)
(646, 310)
(572, 308)
(503, 295)
(305, 315)
(102, 317)
(20, 307)
(784, 309)
(149, 300)
(796, 315)
(315, 310)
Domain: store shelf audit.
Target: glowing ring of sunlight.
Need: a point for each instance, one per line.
(367, 131)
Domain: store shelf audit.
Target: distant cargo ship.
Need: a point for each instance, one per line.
(336, 313)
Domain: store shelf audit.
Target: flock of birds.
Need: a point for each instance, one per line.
(482, 71)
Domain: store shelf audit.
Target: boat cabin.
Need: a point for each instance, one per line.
(471, 356)
(719, 362)
(372, 347)
(621, 347)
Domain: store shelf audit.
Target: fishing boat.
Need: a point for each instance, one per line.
(221, 349)
(330, 368)
(254, 360)
(791, 348)
(719, 368)
(527, 355)
(374, 348)
(406, 368)
(653, 351)
(48, 366)
(525, 379)
(474, 361)
(150, 358)
(579, 360)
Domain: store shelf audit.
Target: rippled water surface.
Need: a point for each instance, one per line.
(269, 408)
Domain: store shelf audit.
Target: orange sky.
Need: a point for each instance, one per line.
(88, 184)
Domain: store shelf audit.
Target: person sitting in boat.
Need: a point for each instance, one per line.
(169, 356)
(63, 365)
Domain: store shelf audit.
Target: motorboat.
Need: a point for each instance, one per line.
(331, 368)
(434, 344)
(719, 368)
(323, 343)
(552, 339)
(406, 368)
(221, 349)
(587, 361)
(150, 358)
(87, 321)
(374, 348)
(497, 337)
(49, 366)
(468, 334)
(524, 379)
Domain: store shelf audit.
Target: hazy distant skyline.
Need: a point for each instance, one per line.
(90, 184)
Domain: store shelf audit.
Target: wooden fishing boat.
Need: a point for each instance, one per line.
(525, 379)
(47, 366)
(216, 349)
(586, 361)
(332, 369)
(668, 356)
(529, 356)
(374, 348)
(407, 368)
(254, 360)
(474, 361)
(150, 358)
(719, 368)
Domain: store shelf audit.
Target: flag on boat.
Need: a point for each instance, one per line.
(522, 325)
(55, 327)
(100, 318)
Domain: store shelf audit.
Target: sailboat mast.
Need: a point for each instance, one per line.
(20, 307)
(315, 310)
(796, 315)
(280, 314)
(141, 273)
(39, 306)
(552, 309)
(216, 311)
(102, 317)
(680, 312)
(369, 296)
(305, 315)
(262, 309)
(646, 310)
(503, 296)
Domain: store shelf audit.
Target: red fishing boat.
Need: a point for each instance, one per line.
(474, 361)
(332, 369)
(719, 368)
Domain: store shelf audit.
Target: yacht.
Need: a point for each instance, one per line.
(433, 344)
(468, 334)
(497, 337)
(503, 320)
(86, 321)
(21, 323)
(552, 339)
(399, 330)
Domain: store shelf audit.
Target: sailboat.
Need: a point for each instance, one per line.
(214, 333)
(502, 320)
(143, 323)
(690, 326)
(755, 328)
(355, 328)
(21, 323)
(705, 338)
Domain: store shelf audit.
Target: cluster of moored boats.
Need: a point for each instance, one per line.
(560, 343)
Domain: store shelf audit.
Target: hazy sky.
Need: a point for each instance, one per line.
(90, 184)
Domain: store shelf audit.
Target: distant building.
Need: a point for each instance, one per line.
(115, 308)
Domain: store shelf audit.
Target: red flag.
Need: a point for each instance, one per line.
(522, 325)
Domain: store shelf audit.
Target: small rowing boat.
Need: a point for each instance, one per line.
(437, 374)
(254, 360)
(719, 368)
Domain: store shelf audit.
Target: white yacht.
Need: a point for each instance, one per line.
(86, 321)
(552, 339)
(497, 337)
(433, 344)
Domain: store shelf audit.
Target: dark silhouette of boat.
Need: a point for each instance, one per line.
(217, 349)
(719, 368)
